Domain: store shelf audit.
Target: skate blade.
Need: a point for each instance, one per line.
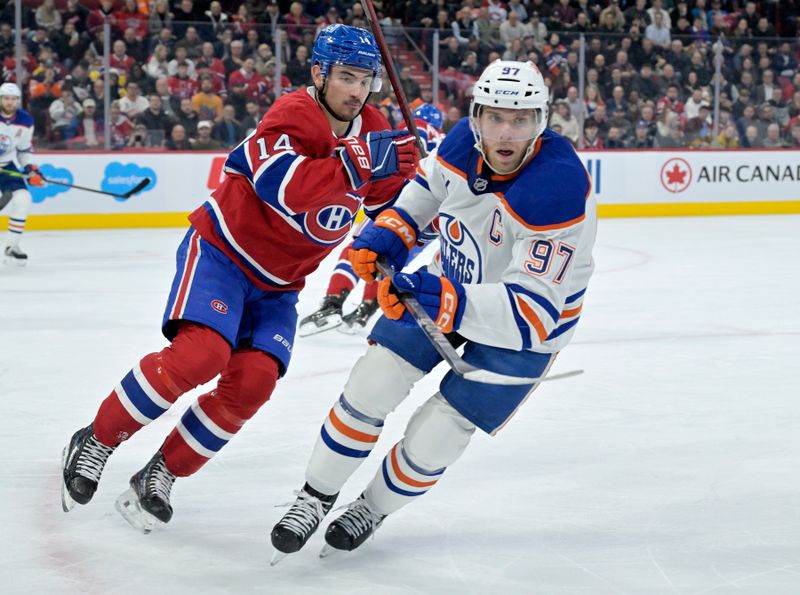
(67, 503)
(311, 328)
(277, 556)
(329, 551)
(349, 329)
(131, 510)
(15, 262)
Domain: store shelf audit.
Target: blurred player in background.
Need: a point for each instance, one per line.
(517, 225)
(16, 132)
(292, 190)
(428, 119)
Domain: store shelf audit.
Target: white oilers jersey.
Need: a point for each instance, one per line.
(520, 244)
(15, 138)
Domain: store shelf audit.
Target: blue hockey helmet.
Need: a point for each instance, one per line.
(429, 113)
(348, 46)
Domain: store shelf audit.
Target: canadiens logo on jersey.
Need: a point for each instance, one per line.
(331, 224)
(461, 257)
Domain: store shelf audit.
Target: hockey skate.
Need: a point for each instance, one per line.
(82, 464)
(145, 504)
(15, 256)
(358, 318)
(301, 521)
(328, 316)
(352, 528)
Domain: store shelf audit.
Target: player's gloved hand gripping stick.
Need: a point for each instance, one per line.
(35, 174)
(448, 352)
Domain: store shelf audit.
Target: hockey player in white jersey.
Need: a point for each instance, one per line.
(16, 132)
(517, 224)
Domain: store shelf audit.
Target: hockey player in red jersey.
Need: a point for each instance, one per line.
(428, 119)
(517, 224)
(291, 192)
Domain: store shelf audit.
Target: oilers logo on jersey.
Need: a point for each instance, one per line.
(6, 143)
(460, 254)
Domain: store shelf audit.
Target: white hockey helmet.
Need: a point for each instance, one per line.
(10, 90)
(511, 85)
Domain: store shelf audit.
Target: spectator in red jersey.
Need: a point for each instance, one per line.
(671, 101)
(209, 60)
(121, 127)
(254, 83)
(119, 58)
(96, 18)
(182, 85)
(243, 21)
(591, 135)
(296, 21)
(131, 16)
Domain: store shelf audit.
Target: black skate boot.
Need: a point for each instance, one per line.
(15, 256)
(359, 317)
(301, 521)
(352, 528)
(82, 464)
(146, 503)
(327, 317)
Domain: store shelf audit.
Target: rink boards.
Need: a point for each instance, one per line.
(646, 183)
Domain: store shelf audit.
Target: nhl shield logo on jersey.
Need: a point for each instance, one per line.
(461, 257)
(480, 184)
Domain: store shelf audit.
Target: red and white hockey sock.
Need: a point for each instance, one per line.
(209, 424)
(196, 355)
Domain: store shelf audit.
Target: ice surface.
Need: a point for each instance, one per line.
(671, 466)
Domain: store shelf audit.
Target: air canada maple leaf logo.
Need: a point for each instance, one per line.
(676, 175)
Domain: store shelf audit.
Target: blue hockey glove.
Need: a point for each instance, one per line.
(443, 299)
(392, 237)
(378, 155)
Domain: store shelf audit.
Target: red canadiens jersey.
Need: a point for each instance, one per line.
(287, 200)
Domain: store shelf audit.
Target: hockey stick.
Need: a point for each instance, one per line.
(449, 353)
(399, 94)
(126, 195)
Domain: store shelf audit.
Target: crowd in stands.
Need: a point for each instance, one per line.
(199, 75)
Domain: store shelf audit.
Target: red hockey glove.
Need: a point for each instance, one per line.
(392, 237)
